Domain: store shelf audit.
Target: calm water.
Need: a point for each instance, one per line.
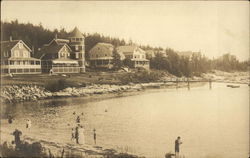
(212, 123)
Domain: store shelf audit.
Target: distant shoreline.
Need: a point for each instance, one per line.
(15, 93)
(24, 93)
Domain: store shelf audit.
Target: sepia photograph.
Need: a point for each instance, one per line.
(124, 79)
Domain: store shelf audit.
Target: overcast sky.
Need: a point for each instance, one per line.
(214, 28)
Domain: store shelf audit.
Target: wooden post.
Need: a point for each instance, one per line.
(210, 84)
(188, 83)
(176, 83)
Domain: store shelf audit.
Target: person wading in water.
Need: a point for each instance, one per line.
(177, 146)
(94, 136)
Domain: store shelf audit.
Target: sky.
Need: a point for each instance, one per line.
(211, 27)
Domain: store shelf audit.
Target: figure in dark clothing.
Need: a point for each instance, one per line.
(94, 136)
(78, 120)
(73, 134)
(77, 135)
(17, 135)
(177, 146)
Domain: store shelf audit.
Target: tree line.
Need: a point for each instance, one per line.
(35, 36)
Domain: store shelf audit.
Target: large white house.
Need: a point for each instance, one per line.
(16, 58)
(136, 55)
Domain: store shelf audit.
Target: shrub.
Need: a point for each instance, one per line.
(57, 85)
(141, 77)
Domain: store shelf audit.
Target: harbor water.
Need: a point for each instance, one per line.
(211, 123)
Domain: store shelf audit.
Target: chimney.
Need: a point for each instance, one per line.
(10, 38)
(33, 51)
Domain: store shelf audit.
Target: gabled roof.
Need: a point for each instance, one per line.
(76, 33)
(53, 48)
(8, 45)
(104, 48)
(129, 49)
(58, 41)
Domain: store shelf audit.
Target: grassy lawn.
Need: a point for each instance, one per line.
(41, 79)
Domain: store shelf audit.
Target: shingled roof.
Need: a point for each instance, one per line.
(76, 33)
(8, 45)
(129, 49)
(54, 48)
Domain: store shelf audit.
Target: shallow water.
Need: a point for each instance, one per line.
(212, 123)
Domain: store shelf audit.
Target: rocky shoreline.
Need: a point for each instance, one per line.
(16, 93)
(21, 93)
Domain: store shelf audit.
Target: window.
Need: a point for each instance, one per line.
(76, 47)
(25, 54)
(20, 45)
(6, 54)
(16, 53)
(20, 54)
(80, 47)
(37, 62)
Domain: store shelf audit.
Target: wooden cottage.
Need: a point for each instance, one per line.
(136, 55)
(101, 56)
(64, 55)
(16, 58)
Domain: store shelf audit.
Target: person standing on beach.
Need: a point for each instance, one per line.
(28, 123)
(177, 146)
(77, 135)
(17, 135)
(78, 120)
(81, 135)
(73, 134)
(94, 136)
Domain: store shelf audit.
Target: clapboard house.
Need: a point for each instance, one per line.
(135, 55)
(101, 56)
(16, 58)
(64, 55)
